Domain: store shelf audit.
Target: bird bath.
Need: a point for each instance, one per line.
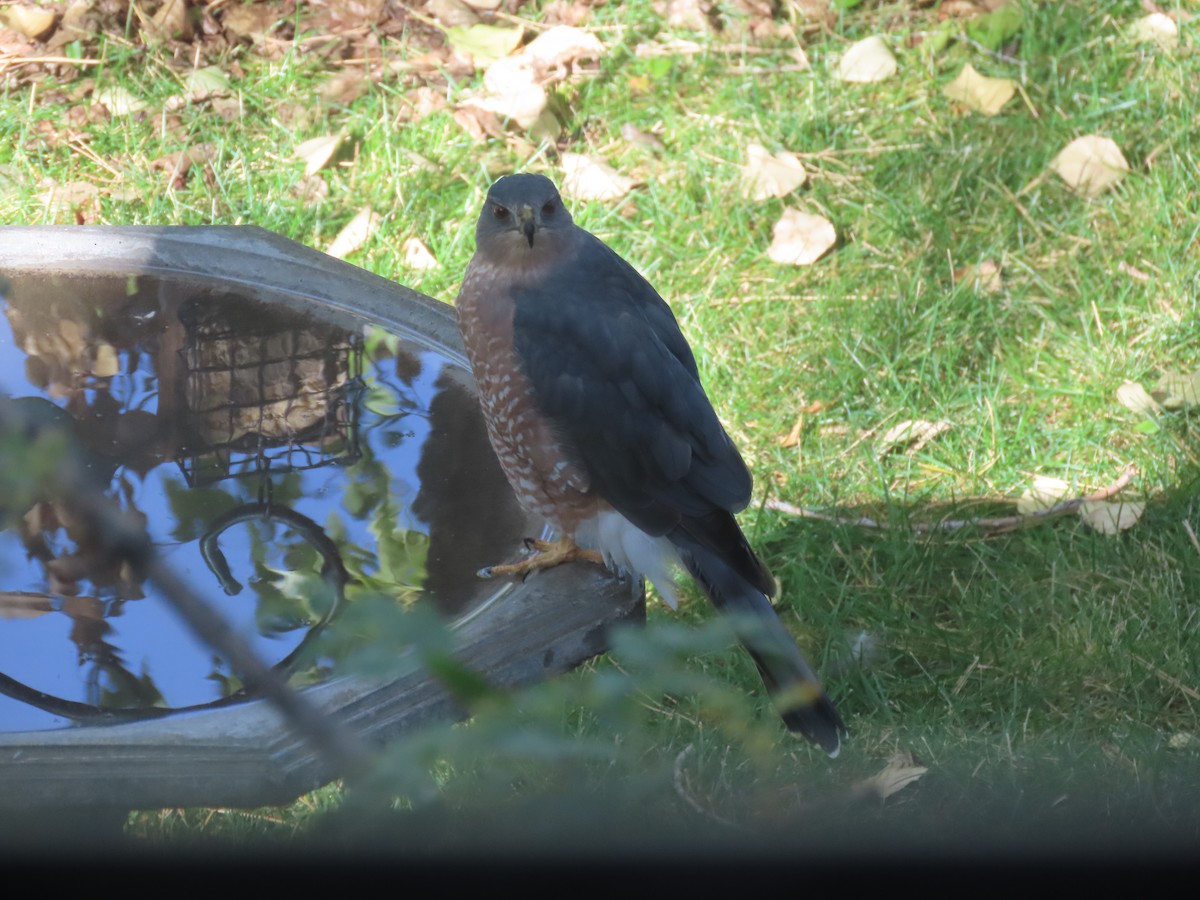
(296, 434)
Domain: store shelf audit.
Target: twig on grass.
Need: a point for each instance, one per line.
(991, 525)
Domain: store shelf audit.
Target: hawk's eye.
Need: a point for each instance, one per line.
(500, 212)
(549, 207)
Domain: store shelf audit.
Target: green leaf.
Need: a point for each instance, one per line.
(937, 38)
(660, 67)
(997, 27)
(209, 80)
(484, 43)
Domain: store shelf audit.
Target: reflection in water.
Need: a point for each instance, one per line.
(281, 465)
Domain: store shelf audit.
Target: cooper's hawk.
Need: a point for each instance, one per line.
(595, 409)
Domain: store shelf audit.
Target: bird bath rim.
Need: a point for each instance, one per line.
(243, 755)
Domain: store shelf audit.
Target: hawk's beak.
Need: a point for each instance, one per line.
(528, 222)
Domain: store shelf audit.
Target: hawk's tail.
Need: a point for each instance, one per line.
(794, 686)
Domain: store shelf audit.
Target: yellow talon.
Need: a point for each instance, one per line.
(547, 555)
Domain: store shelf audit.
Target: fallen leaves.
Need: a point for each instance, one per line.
(1044, 493)
(200, 85)
(866, 61)
(1157, 28)
(510, 91)
(171, 21)
(355, 233)
(515, 86)
(1174, 390)
(1047, 496)
(979, 92)
(417, 256)
(82, 198)
(901, 770)
(318, 152)
(635, 135)
(1090, 164)
(766, 175)
(178, 165)
(910, 436)
(1178, 391)
(554, 53)
(119, 101)
(32, 22)
(800, 239)
(1137, 399)
(588, 178)
(1111, 517)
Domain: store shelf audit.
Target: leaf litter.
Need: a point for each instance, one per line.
(800, 238)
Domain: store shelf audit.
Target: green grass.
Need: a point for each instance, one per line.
(1053, 655)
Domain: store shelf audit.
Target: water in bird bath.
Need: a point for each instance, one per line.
(282, 464)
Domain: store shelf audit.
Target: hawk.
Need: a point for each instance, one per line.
(595, 409)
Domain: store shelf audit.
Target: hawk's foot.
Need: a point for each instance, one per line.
(546, 555)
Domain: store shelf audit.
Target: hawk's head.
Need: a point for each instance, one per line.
(521, 212)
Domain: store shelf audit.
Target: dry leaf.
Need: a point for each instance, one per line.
(560, 48)
(419, 163)
(1136, 398)
(1043, 494)
(450, 13)
(690, 15)
(589, 178)
(119, 101)
(1111, 516)
(250, 19)
(177, 165)
(417, 255)
(513, 85)
(479, 123)
(901, 771)
(69, 195)
(913, 435)
(172, 21)
(1180, 740)
(979, 92)
(983, 277)
(766, 175)
(510, 91)
(635, 135)
(800, 239)
(868, 60)
(792, 438)
(422, 101)
(202, 84)
(1156, 27)
(31, 21)
(312, 190)
(356, 233)
(1090, 164)
(1176, 390)
(317, 152)
(344, 87)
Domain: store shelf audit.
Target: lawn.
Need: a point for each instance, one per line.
(981, 330)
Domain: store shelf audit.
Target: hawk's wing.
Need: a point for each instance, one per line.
(612, 371)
